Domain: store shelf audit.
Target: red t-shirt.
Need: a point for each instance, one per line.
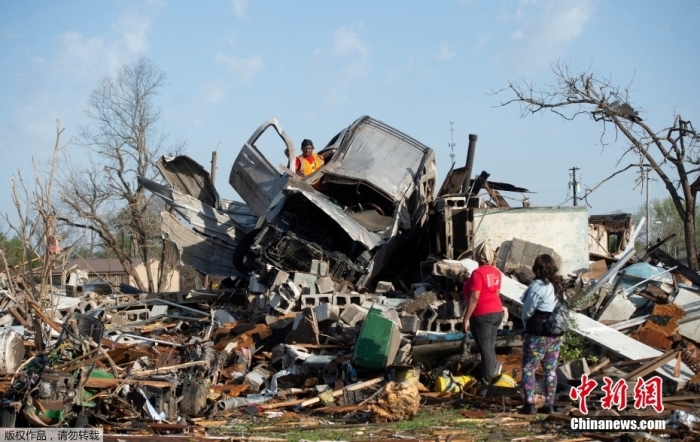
(487, 280)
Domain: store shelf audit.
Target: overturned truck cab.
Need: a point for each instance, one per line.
(353, 215)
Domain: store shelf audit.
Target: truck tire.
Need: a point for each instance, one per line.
(8, 417)
(242, 250)
(82, 420)
(194, 398)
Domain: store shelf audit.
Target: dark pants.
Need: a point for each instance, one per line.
(484, 329)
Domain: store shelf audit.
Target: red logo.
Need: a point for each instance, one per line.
(646, 393)
(581, 392)
(615, 394)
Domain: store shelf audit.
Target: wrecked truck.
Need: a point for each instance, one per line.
(348, 219)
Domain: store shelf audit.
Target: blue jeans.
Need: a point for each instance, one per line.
(484, 329)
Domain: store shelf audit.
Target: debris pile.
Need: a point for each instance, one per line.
(348, 300)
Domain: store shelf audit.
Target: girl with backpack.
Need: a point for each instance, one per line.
(542, 340)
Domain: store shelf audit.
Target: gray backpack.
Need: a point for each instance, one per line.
(558, 321)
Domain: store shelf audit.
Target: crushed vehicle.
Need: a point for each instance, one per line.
(367, 204)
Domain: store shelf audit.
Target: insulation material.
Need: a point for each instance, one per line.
(11, 350)
(397, 402)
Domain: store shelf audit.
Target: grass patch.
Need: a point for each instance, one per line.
(422, 426)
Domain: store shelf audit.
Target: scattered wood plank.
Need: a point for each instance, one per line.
(111, 383)
(244, 340)
(315, 400)
(514, 424)
(470, 420)
(211, 423)
(339, 392)
(628, 363)
(170, 368)
(603, 363)
(19, 317)
(681, 398)
(651, 365)
(473, 413)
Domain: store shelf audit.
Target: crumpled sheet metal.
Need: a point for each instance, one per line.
(349, 225)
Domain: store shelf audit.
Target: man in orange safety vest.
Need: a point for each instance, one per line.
(308, 162)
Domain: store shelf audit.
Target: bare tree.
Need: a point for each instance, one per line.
(36, 225)
(671, 152)
(122, 142)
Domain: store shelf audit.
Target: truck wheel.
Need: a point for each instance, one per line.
(82, 420)
(242, 250)
(194, 398)
(8, 417)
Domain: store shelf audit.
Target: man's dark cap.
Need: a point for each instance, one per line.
(307, 142)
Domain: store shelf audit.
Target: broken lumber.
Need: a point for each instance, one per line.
(339, 392)
(652, 365)
(94, 382)
(315, 400)
(166, 369)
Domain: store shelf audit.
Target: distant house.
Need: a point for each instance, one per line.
(609, 234)
(112, 271)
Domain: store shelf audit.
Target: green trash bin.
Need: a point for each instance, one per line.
(378, 341)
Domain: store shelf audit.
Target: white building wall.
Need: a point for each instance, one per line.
(173, 285)
(564, 229)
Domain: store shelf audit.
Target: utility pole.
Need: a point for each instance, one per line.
(648, 211)
(574, 185)
(213, 163)
(212, 174)
(452, 143)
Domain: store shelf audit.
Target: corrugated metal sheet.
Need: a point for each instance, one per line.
(227, 226)
(189, 178)
(207, 255)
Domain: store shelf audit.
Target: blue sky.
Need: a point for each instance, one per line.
(319, 65)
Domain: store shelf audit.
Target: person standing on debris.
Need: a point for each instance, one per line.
(539, 301)
(484, 311)
(308, 162)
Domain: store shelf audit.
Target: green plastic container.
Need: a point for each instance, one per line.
(377, 342)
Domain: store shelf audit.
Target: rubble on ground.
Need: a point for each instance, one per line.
(312, 335)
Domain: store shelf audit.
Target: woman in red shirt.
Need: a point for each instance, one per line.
(483, 309)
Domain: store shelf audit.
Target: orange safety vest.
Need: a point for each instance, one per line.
(305, 167)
